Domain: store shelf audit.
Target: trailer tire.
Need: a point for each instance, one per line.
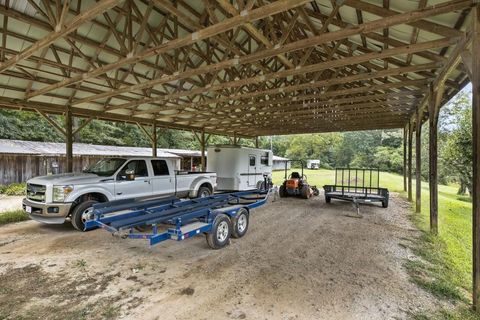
(282, 192)
(219, 236)
(79, 213)
(328, 199)
(240, 223)
(385, 203)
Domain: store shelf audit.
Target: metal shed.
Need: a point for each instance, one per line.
(22, 160)
(247, 69)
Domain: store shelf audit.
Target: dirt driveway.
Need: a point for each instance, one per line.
(300, 260)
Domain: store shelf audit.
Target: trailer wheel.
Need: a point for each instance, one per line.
(385, 203)
(81, 213)
(240, 223)
(219, 236)
(328, 199)
(282, 192)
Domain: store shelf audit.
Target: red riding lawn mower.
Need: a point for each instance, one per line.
(296, 184)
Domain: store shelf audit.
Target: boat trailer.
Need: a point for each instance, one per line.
(218, 217)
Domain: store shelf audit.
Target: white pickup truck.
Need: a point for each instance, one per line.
(56, 198)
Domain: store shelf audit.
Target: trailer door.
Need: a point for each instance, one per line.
(252, 170)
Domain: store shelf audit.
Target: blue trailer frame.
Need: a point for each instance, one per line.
(184, 218)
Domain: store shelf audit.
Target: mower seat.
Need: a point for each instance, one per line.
(295, 175)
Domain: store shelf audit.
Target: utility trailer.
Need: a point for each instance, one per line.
(358, 186)
(218, 216)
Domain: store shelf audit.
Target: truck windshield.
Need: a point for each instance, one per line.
(105, 167)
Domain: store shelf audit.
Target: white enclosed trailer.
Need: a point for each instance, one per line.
(239, 168)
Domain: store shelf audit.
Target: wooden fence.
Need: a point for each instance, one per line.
(21, 167)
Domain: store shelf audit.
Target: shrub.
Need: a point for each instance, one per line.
(14, 189)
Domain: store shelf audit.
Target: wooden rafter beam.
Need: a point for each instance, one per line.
(298, 45)
(60, 31)
(291, 72)
(189, 39)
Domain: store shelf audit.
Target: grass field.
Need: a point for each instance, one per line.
(448, 257)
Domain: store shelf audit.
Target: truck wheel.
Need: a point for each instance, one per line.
(240, 223)
(220, 233)
(204, 192)
(81, 213)
(282, 192)
(305, 192)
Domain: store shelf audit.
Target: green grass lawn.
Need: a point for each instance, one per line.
(448, 257)
(13, 216)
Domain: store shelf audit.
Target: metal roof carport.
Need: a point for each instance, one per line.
(247, 69)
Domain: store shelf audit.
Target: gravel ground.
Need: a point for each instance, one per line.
(10, 203)
(301, 259)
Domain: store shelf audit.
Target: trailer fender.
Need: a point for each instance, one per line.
(230, 213)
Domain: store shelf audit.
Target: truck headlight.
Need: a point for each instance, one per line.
(61, 192)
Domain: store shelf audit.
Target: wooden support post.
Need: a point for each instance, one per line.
(476, 158)
(256, 142)
(433, 150)
(202, 145)
(154, 140)
(410, 151)
(405, 158)
(69, 141)
(418, 164)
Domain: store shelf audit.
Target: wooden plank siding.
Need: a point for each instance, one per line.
(16, 168)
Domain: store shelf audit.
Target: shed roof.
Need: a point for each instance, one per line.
(242, 68)
(55, 148)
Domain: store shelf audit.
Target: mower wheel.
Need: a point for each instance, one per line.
(305, 192)
(282, 192)
(328, 199)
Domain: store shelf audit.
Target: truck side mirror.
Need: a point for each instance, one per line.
(129, 175)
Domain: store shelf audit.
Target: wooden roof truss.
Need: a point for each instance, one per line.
(250, 68)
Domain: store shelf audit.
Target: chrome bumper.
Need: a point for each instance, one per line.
(51, 213)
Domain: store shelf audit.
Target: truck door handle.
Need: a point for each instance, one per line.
(119, 193)
(146, 181)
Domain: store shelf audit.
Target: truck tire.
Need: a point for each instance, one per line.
(204, 192)
(282, 192)
(80, 214)
(219, 236)
(240, 223)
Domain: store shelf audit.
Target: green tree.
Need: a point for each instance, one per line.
(457, 152)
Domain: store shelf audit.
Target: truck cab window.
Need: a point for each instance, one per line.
(252, 161)
(138, 166)
(160, 168)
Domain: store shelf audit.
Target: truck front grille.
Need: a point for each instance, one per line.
(36, 192)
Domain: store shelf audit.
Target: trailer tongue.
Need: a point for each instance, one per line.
(218, 216)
